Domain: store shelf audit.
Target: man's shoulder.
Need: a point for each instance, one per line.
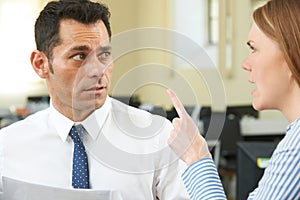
(32, 121)
(123, 112)
(120, 107)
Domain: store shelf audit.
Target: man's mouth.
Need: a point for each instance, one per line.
(97, 89)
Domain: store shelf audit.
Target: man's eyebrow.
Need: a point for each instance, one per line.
(87, 48)
(80, 48)
(104, 48)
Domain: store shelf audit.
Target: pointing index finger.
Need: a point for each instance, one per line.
(176, 103)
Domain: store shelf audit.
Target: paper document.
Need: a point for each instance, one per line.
(18, 190)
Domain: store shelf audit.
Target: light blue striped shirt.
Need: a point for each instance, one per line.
(281, 179)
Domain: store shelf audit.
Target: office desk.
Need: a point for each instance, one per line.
(248, 171)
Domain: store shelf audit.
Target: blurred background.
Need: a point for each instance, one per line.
(219, 27)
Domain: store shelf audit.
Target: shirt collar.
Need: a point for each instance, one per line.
(290, 126)
(93, 123)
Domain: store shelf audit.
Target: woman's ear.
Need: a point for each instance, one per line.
(39, 62)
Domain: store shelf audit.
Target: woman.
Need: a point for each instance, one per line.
(273, 65)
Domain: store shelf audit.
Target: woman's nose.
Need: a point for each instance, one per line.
(246, 65)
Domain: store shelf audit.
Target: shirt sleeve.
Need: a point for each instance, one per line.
(168, 183)
(202, 181)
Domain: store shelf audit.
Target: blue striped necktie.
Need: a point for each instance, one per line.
(80, 172)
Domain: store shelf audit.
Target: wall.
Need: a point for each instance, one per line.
(157, 13)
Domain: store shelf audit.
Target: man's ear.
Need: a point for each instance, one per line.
(39, 62)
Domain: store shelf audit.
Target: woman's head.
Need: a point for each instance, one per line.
(280, 21)
(273, 62)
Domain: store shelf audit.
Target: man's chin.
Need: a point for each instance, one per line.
(88, 105)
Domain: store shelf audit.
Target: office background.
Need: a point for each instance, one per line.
(220, 27)
(17, 79)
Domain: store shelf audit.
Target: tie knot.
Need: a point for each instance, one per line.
(76, 132)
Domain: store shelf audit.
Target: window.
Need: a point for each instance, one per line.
(17, 20)
(199, 20)
(213, 21)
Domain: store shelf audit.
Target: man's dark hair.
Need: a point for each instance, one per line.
(47, 24)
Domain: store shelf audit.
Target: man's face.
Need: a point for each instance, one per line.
(82, 68)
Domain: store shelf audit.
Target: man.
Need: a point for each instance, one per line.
(86, 139)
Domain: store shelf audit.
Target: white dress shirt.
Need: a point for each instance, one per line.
(127, 152)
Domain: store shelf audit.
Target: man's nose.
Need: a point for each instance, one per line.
(94, 68)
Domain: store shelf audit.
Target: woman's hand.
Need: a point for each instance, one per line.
(185, 139)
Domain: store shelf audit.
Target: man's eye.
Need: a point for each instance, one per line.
(79, 57)
(105, 55)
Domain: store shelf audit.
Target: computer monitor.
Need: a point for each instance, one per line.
(224, 127)
(248, 172)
